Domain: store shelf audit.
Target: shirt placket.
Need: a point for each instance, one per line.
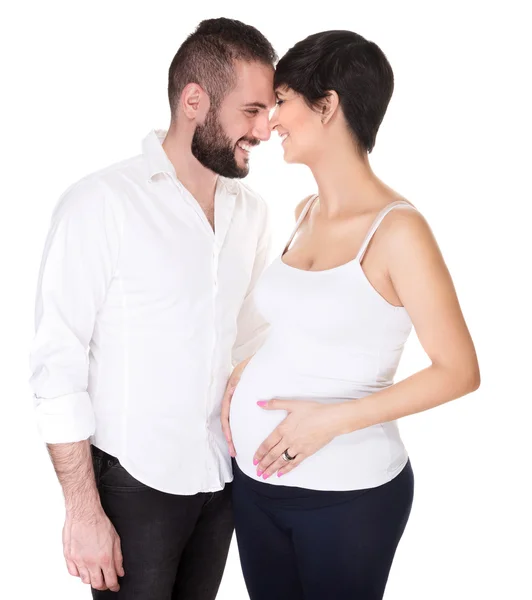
(211, 467)
(214, 329)
(216, 237)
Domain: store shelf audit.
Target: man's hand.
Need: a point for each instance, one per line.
(226, 402)
(92, 550)
(91, 545)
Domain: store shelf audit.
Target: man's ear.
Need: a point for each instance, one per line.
(195, 102)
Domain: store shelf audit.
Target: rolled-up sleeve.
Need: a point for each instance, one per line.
(252, 328)
(79, 261)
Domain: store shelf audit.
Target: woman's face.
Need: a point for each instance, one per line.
(298, 126)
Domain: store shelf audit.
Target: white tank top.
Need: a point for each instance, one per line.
(333, 338)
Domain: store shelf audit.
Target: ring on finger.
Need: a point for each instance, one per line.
(286, 457)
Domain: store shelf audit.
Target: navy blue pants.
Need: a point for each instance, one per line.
(299, 544)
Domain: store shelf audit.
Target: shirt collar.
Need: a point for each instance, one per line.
(155, 155)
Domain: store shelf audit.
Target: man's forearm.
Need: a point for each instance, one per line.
(73, 465)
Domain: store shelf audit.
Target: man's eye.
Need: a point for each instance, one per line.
(252, 113)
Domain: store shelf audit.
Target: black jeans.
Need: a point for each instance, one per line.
(174, 547)
(299, 544)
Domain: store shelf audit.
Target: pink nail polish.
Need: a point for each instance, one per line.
(259, 473)
(255, 462)
(279, 474)
(265, 476)
(262, 402)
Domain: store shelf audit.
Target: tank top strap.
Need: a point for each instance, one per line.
(376, 223)
(302, 216)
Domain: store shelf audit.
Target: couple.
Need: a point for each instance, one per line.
(156, 281)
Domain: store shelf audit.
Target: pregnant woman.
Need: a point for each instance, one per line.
(323, 485)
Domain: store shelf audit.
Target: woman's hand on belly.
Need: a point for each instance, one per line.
(226, 402)
(308, 427)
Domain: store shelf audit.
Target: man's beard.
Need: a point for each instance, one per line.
(215, 151)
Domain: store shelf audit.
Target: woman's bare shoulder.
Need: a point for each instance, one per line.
(301, 205)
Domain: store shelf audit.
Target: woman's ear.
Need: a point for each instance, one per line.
(329, 106)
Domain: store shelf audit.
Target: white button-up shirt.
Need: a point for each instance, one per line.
(142, 309)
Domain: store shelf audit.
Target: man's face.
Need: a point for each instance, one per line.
(224, 141)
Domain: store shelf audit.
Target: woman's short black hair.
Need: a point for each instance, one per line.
(347, 63)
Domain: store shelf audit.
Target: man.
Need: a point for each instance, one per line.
(143, 303)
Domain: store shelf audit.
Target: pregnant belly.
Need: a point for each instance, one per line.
(263, 379)
(363, 458)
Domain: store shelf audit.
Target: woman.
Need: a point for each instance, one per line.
(323, 485)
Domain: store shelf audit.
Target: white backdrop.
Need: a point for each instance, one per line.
(85, 81)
